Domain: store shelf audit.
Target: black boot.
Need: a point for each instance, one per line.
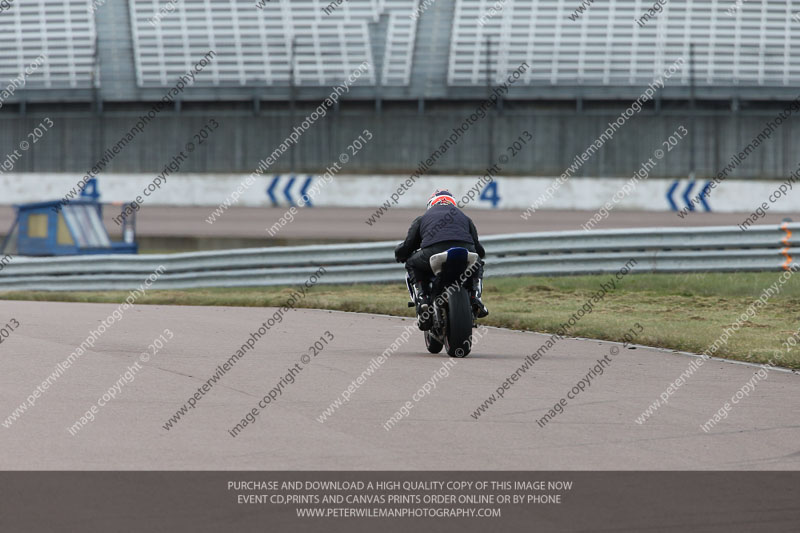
(480, 309)
(424, 310)
(475, 297)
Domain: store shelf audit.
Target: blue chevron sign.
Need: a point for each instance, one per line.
(690, 200)
(286, 185)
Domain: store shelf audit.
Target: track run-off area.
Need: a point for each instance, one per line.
(405, 409)
(328, 223)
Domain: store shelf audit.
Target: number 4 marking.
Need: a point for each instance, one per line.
(90, 191)
(489, 194)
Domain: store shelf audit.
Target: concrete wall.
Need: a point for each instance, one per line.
(402, 137)
(346, 190)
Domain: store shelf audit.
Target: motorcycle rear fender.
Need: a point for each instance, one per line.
(438, 261)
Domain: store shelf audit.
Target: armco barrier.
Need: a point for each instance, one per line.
(709, 249)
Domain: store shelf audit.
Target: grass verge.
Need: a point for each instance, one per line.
(678, 311)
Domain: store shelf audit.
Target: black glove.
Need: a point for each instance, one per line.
(397, 254)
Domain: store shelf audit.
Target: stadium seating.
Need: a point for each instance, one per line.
(254, 46)
(738, 45)
(62, 32)
(604, 45)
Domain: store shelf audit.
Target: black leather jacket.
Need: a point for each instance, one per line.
(439, 223)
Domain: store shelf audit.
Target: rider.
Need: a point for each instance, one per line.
(443, 226)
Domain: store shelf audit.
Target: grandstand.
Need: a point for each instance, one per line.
(429, 63)
(62, 31)
(605, 48)
(130, 50)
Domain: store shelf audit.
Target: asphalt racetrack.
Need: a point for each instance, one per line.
(321, 223)
(329, 223)
(596, 430)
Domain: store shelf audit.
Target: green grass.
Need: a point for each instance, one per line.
(678, 311)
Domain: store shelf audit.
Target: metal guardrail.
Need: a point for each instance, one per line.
(710, 249)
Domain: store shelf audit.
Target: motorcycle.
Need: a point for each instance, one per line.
(452, 314)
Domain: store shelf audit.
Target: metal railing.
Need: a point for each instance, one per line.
(710, 249)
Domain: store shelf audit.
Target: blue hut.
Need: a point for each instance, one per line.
(52, 228)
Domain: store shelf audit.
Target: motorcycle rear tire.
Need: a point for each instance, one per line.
(459, 324)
